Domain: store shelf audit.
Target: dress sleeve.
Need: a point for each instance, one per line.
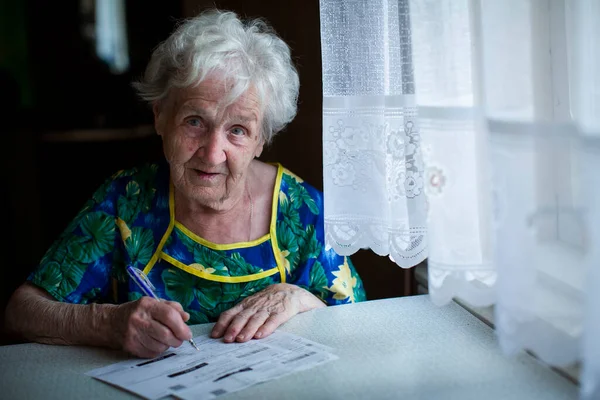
(321, 271)
(77, 267)
(343, 282)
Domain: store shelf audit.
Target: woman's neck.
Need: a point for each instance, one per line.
(248, 219)
(231, 225)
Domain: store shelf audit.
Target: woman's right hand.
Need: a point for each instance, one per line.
(147, 327)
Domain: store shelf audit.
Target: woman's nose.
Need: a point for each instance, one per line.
(212, 149)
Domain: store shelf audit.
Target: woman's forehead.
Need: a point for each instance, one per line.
(211, 96)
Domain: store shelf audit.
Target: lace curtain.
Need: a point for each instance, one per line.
(371, 152)
(473, 126)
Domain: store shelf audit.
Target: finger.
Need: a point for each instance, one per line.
(237, 324)
(224, 320)
(185, 316)
(162, 334)
(172, 319)
(272, 323)
(174, 304)
(177, 306)
(149, 347)
(255, 322)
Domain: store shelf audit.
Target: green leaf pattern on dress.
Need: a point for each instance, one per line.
(66, 274)
(288, 245)
(64, 266)
(291, 217)
(318, 280)
(98, 230)
(140, 246)
(204, 256)
(299, 195)
(138, 195)
(297, 244)
(52, 277)
(197, 317)
(179, 285)
(311, 248)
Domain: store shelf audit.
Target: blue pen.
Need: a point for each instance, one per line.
(148, 288)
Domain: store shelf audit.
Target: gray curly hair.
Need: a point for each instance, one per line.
(248, 54)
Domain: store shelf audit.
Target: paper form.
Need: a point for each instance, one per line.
(216, 369)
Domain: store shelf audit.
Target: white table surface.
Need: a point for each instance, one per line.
(403, 348)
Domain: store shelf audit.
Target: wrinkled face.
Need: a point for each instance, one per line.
(209, 146)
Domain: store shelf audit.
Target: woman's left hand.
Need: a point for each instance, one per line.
(259, 315)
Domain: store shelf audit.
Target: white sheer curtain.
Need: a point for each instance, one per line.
(508, 129)
(372, 157)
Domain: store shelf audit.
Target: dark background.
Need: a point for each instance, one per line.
(68, 122)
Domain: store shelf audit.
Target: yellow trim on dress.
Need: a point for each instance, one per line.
(246, 278)
(218, 278)
(215, 246)
(156, 254)
(272, 229)
(241, 245)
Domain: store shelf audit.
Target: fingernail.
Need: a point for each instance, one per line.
(240, 337)
(228, 338)
(258, 335)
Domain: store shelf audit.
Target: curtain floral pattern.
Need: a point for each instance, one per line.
(371, 140)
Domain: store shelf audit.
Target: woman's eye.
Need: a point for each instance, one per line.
(237, 131)
(195, 122)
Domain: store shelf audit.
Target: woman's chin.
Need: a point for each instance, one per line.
(210, 197)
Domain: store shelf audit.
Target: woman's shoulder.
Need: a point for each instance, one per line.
(149, 177)
(300, 194)
(141, 173)
(293, 179)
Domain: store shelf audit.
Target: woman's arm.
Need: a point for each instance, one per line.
(144, 328)
(33, 314)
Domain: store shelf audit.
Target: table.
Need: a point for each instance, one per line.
(401, 348)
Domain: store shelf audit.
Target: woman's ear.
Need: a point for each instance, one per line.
(158, 117)
(260, 147)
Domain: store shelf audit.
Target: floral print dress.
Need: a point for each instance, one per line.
(130, 221)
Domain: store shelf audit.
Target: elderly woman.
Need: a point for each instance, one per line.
(221, 236)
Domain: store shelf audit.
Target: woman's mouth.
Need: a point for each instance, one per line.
(204, 172)
(204, 175)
